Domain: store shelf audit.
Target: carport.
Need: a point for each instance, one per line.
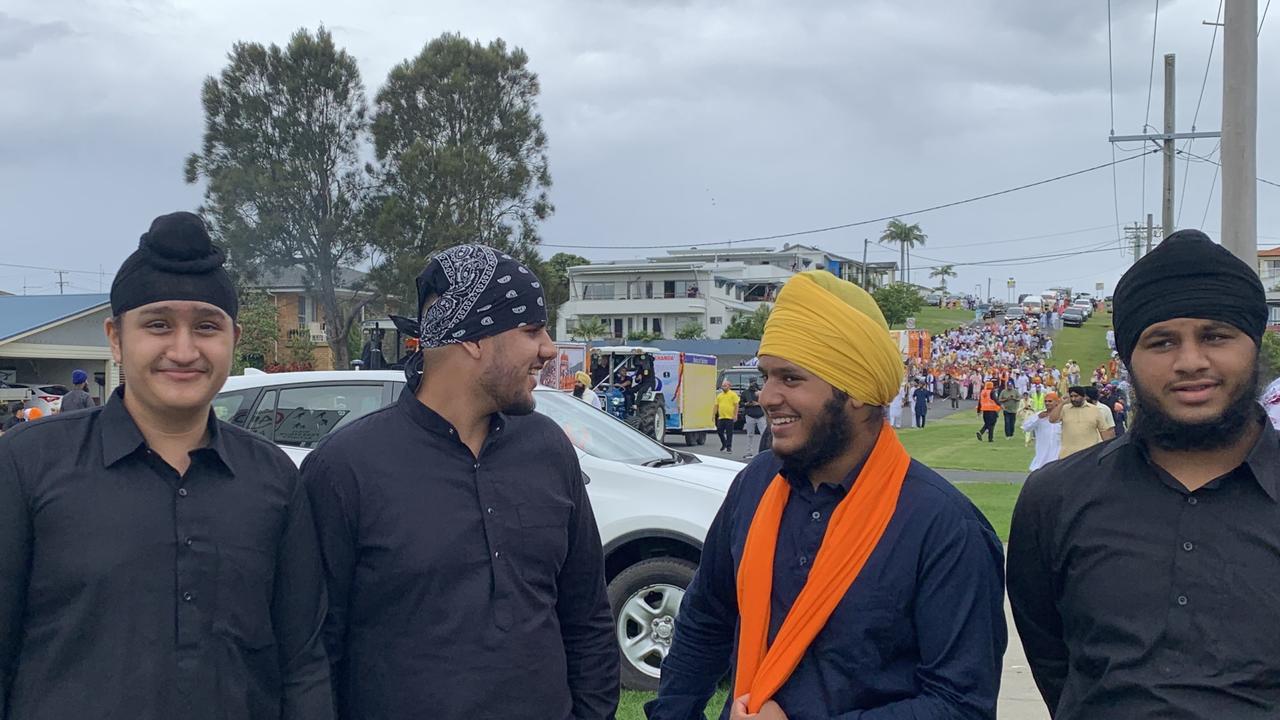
(43, 338)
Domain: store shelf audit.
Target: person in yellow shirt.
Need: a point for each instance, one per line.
(726, 415)
(1082, 424)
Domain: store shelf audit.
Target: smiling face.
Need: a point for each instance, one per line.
(175, 355)
(811, 421)
(512, 365)
(1195, 379)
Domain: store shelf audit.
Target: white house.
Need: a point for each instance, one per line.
(708, 287)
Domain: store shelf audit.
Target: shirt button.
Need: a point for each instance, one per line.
(188, 542)
(1188, 546)
(476, 466)
(489, 510)
(803, 561)
(497, 554)
(816, 515)
(188, 597)
(1182, 600)
(1192, 501)
(182, 492)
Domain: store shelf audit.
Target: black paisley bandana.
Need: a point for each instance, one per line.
(480, 292)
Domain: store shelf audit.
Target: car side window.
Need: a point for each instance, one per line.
(304, 415)
(233, 407)
(265, 418)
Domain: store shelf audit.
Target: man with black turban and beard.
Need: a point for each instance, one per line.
(840, 579)
(466, 577)
(1144, 571)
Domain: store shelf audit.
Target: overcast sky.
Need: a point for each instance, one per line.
(671, 122)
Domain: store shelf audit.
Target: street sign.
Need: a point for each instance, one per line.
(1013, 283)
(1099, 286)
(911, 323)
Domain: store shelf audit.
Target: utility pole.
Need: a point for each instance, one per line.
(62, 282)
(865, 242)
(988, 288)
(1166, 215)
(1149, 229)
(1167, 139)
(1240, 130)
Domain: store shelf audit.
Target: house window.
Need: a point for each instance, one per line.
(631, 325)
(617, 327)
(648, 289)
(716, 320)
(657, 326)
(302, 311)
(633, 290)
(597, 291)
(680, 289)
(1275, 315)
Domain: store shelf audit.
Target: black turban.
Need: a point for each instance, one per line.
(480, 292)
(1187, 276)
(175, 260)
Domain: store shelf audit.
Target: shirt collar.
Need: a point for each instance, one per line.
(122, 438)
(432, 421)
(1263, 459)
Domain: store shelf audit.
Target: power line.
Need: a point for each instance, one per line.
(859, 223)
(1264, 16)
(1215, 162)
(1186, 174)
(53, 269)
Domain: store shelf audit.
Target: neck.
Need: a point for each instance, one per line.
(834, 472)
(170, 434)
(467, 415)
(1197, 468)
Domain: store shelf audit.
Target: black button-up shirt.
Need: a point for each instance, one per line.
(128, 591)
(1136, 598)
(920, 633)
(461, 587)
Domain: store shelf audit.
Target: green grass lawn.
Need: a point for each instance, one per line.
(950, 443)
(995, 500)
(936, 320)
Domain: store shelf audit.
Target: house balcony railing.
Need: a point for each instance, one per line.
(313, 333)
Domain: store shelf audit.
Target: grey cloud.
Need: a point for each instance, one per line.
(19, 36)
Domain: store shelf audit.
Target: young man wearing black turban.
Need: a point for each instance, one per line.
(156, 563)
(466, 577)
(1144, 571)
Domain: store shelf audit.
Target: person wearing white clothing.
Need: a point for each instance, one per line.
(1048, 435)
(582, 390)
(895, 407)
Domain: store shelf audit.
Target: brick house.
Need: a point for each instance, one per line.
(300, 314)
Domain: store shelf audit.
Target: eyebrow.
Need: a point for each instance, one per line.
(166, 310)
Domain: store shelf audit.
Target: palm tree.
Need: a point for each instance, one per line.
(905, 237)
(944, 272)
(589, 329)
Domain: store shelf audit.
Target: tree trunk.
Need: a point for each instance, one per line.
(335, 321)
(902, 261)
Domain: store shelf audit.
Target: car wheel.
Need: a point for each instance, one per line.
(645, 600)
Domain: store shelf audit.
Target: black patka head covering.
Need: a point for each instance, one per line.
(1187, 276)
(480, 292)
(175, 260)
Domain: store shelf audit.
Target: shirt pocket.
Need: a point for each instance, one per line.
(542, 539)
(243, 614)
(867, 631)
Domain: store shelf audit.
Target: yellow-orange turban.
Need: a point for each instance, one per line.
(835, 330)
(583, 378)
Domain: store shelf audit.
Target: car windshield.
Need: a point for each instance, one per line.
(599, 434)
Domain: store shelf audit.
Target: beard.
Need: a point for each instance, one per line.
(831, 436)
(1155, 426)
(507, 387)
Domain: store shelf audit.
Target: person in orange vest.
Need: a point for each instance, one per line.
(990, 410)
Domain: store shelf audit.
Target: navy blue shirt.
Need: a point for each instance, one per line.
(920, 634)
(922, 398)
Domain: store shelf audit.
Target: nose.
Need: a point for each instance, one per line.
(183, 350)
(1190, 359)
(546, 346)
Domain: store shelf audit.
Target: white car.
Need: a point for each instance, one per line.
(653, 504)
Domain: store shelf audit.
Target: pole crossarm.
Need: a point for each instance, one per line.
(1164, 136)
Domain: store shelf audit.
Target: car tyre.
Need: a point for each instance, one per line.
(645, 599)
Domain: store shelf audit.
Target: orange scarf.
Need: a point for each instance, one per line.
(855, 529)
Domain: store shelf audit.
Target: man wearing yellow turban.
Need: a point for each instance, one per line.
(843, 576)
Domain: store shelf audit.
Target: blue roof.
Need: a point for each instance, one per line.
(22, 313)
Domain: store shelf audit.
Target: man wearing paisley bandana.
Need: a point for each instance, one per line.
(466, 576)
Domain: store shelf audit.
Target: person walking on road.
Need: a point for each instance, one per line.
(727, 402)
(989, 409)
(896, 406)
(1047, 434)
(754, 414)
(921, 397)
(1010, 400)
